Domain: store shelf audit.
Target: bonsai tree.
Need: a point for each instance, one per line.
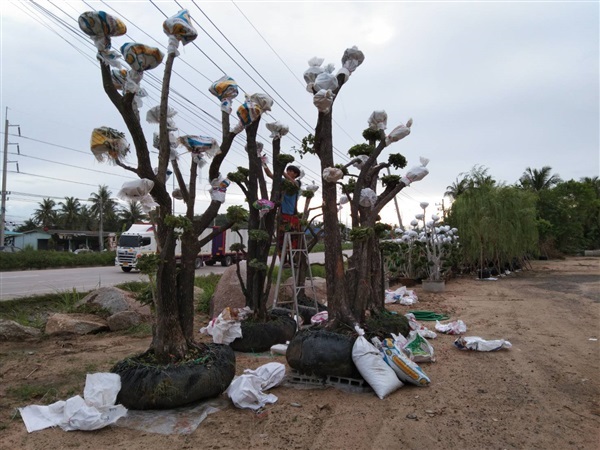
(173, 303)
(352, 292)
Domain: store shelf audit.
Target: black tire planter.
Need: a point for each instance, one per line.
(144, 386)
(261, 336)
(322, 353)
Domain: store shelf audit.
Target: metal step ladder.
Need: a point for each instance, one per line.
(295, 257)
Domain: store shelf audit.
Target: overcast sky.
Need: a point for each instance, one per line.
(503, 85)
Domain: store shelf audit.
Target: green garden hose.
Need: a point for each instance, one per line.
(429, 315)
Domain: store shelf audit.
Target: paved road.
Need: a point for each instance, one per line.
(34, 282)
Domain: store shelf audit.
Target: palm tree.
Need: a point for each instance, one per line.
(86, 219)
(594, 182)
(457, 188)
(69, 213)
(45, 215)
(104, 207)
(29, 225)
(539, 180)
(131, 214)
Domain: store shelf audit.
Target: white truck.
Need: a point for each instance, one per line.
(139, 239)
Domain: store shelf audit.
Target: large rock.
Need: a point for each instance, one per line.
(228, 291)
(75, 324)
(114, 300)
(124, 320)
(13, 331)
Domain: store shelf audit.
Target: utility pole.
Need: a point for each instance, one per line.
(4, 171)
(101, 237)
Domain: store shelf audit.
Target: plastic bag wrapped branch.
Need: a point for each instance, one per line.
(310, 74)
(140, 58)
(332, 174)
(251, 109)
(400, 132)
(326, 80)
(264, 206)
(277, 129)
(360, 161)
(138, 190)
(219, 188)
(172, 142)
(352, 58)
(368, 198)
(225, 89)
(323, 100)
(108, 144)
(204, 145)
(378, 120)
(179, 28)
(416, 173)
(101, 26)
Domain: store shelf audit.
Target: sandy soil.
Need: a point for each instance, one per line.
(541, 394)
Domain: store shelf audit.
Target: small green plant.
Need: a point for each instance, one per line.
(208, 284)
(69, 299)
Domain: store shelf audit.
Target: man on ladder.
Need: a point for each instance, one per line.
(290, 222)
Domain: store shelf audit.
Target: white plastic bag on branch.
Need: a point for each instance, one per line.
(108, 144)
(368, 198)
(138, 190)
(218, 188)
(400, 132)
(179, 28)
(225, 89)
(378, 120)
(204, 145)
(416, 173)
(311, 187)
(177, 194)
(369, 362)
(153, 116)
(310, 74)
(360, 161)
(172, 142)
(332, 174)
(277, 129)
(352, 58)
(326, 80)
(140, 58)
(101, 26)
(323, 100)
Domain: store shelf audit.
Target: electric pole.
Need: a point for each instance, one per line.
(4, 171)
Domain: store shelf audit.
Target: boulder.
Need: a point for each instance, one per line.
(114, 300)
(124, 320)
(13, 331)
(228, 291)
(75, 324)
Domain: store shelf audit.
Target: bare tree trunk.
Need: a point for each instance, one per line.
(337, 297)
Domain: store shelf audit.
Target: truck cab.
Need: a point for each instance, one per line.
(137, 240)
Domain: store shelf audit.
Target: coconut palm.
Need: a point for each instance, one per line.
(594, 182)
(131, 214)
(86, 219)
(68, 214)
(457, 188)
(45, 215)
(104, 207)
(538, 180)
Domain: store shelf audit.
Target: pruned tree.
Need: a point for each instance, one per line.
(351, 293)
(174, 312)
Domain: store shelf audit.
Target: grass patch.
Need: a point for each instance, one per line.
(33, 311)
(41, 393)
(208, 284)
(140, 330)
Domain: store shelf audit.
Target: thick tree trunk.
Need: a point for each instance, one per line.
(337, 297)
(365, 271)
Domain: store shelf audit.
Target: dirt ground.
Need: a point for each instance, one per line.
(544, 393)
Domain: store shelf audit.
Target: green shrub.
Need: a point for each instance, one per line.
(208, 284)
(45, 259)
